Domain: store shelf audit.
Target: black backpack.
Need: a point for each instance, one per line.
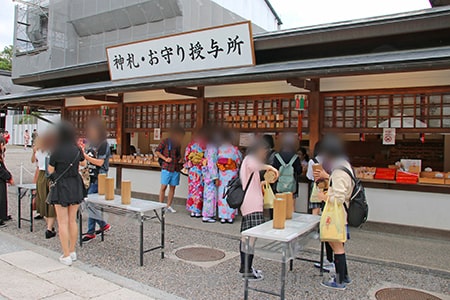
(358, 209)
(234, 192)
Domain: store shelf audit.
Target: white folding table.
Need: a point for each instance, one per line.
(22, 190)
(142, 209)
(285, 242)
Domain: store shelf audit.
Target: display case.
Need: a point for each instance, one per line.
(253, 113)
(161, 114)
(79, 116)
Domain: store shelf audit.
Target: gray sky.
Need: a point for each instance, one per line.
(294, 13)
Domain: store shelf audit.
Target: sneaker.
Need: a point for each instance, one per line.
(347, 280)
(327, 266)
(104, 229)
(88, 237)
(208, 220)
(65, 260)
(38, 217)
(253, 275)
(2, 223)
(171, 210)
(332, 284)
(241, 270)
(49, 234)
(73, 256)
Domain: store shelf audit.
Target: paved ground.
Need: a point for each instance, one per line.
(376, 259)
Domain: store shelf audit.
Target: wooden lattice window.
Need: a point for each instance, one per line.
(256, 113)
(149, 115)
(79, 116)
(365, 112)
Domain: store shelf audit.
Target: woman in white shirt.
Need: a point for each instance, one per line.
(40, 156)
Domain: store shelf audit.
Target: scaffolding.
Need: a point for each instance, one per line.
(31, 26)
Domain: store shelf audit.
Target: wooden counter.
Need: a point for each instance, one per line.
(419, 187)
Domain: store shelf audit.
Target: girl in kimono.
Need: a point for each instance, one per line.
(211, 181)
(228, 161)
(5, 178)
(194, 156)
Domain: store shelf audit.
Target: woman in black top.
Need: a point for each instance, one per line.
(67, 192)
(5, 177)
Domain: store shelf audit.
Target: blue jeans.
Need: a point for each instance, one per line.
(93, 188)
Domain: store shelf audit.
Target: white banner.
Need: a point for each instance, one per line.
(212, 48)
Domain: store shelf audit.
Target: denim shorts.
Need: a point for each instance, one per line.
(170, 178)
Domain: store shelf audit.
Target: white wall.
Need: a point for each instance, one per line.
(384, 81)
(16, 130)
(409, 208)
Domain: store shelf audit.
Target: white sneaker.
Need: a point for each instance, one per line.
(73, 256)
(327, 266)
(65, 260)
(171, 210)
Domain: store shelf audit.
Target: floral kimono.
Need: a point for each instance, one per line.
(228, 161)
(210, 175)
(194, 156)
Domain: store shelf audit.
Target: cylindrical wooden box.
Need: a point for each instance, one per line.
(101, 184)
(109, 189)
(289, 205)
(126, 192)
(279, 213)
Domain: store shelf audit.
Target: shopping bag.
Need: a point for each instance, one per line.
(332, 223)
(269, 196)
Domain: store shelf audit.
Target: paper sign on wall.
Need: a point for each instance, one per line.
(388, 136)
(157, 134)
(212, 48)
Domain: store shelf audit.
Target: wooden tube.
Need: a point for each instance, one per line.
(279, 213)
(109, 189)
(101, 184)
(289, 205)
(126, 192)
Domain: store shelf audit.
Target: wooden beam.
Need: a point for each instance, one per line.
(302, 83)
(198, 93)
(314, 116)
(201, 108)
(107, 98)
(122, 138)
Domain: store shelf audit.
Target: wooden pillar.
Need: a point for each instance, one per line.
(63, 109)
(201, 108)
(121, 137)
(314, 116)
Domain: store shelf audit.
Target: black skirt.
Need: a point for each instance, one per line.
(67, 191)
(252, 220)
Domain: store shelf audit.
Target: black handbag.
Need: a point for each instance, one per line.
(52, 185)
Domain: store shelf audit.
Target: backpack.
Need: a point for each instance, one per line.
(286, 181)
(358, 209)
(234, 192)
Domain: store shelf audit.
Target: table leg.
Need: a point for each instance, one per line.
(246, 249)
(141, 241)
(322, 246)
(103, 233)
(19, 208)
(283, 274)
(80, 227)
(291, 265)
(31, 210)
(163, 228)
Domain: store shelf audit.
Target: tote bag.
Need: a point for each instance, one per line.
(332, 223)
(269, 196)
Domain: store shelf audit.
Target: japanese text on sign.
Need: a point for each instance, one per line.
(213, 48)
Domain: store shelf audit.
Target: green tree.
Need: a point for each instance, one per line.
(6, 58)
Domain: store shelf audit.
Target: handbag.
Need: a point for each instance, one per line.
(332, 223)
(84, 172)
(52, 184)
(269, 196)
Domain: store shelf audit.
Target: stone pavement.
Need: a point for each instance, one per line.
(34, 272)
(376, 259)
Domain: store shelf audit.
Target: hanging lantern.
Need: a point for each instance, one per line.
(362, 137)
(422, 138)
(300, 100)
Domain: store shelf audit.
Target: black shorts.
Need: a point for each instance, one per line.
(252, 220)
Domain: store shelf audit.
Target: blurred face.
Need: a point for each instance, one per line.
(92, 134)
(261, 154)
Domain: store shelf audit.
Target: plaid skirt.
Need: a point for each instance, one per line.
(252, 220)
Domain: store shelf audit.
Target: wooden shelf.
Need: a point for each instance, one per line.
(79, 116)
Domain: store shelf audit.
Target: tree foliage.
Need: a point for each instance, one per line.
(6, 58)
